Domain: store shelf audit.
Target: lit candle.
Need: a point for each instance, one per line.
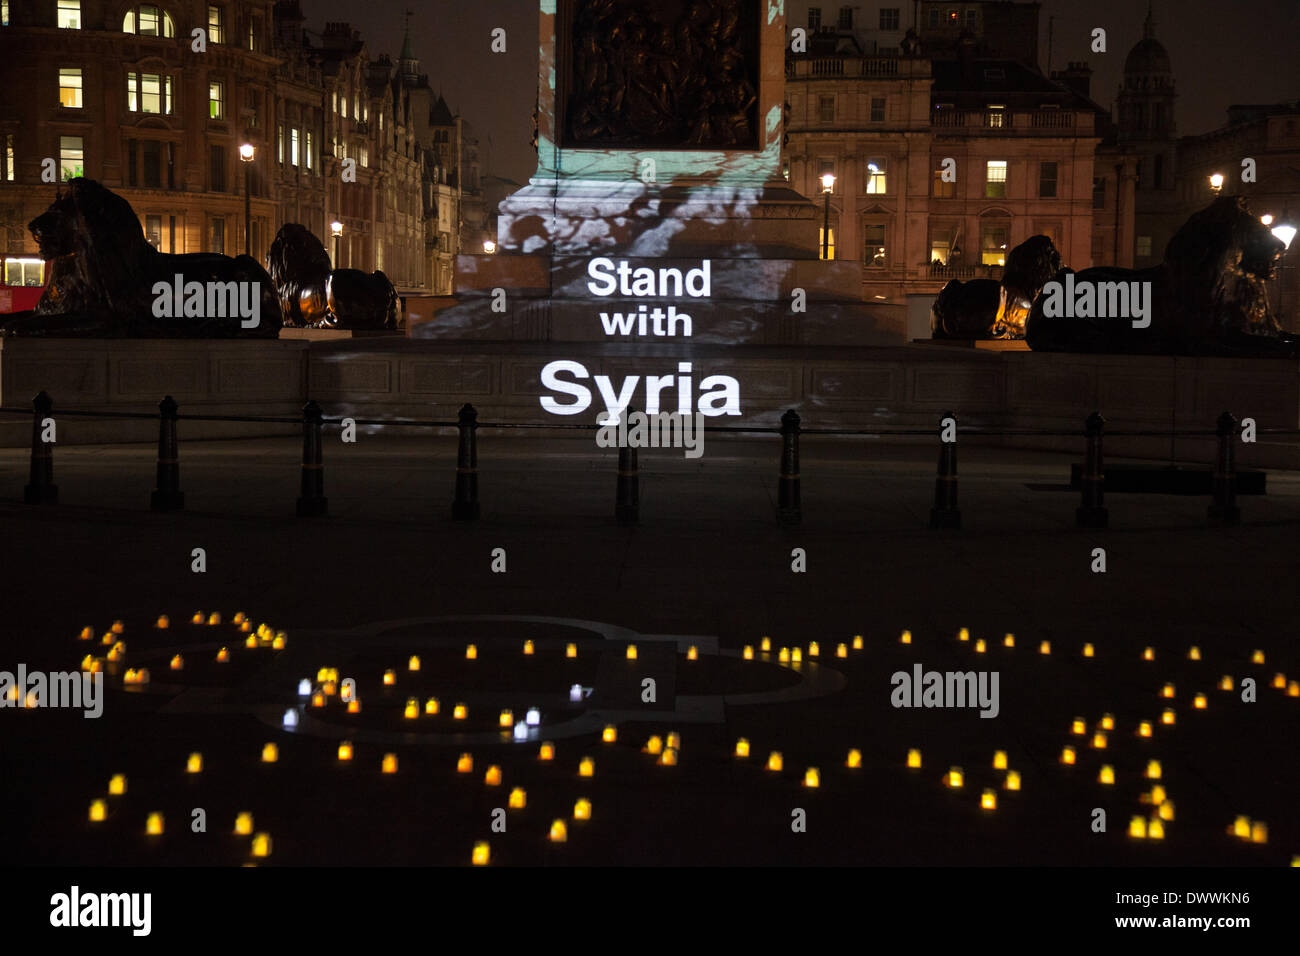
(459, 712)
(115, 652)
(857, 642)
(118, 627)
(1225, 683)
(814, 649)
(117, 785)
(1193, 653)
(1144, 729)
(1157, 796)
(1153, 770)
(1167, 690)
(431, 706)
(1259, 832)
(1293, 689)
(194, 764)
(413, 663)
(465, 764)
(1167, 717)
(1257, 657)
(774, 761)
(481, 854)
(471, 652)
(390, 678)
(412, 709)
(250, 641)
(748, 652)
(570, 650)
(304, 687)
(980, 646)
(914, 758)
(1067, 755)
(270, 753)
(654, 746)
(1045, 647)
(812, 778)
(1148, 654)
(631, 652)
(905, 637)
(783, 656)
(692, 653)
(521, 731)
(1013, 780)
(345, 750)
(506, 719)
(1279, 681)
(989, 800)
(528, 647)
(262, 844)
(1166, 810)
(766, 645)
(518, 798)
(1241, 827)
(955, 778)
(1079, 726)
(153, 825)
(533, 717)
(1099, 741)
(841, 650)
(586, 768)
(963, 634)
(243, 824)
(1156, 829)
(742, 747)
(999, 760)
(1087, 650)
(1009, 641)
(1107, 775)
(493, 776)
(107, 639)
(669, 757)
(214, 619)
(86, 633)
(197, 618)
(674, 741)
(278, 643)
(97, 811)
(354, 706)
(318, 699)
(1199, 701)
(1137, 828)
(240, 617)
(575, 693)
(290, 718)
(87, 664)
(854, 759)
(1107, 721)
(559, 832)
(389, 764)
(546, 751)
(582, 810)
(223, 655)
(796, 655)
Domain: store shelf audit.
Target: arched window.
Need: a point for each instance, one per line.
(149, 21)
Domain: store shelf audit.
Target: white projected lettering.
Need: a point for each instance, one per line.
(646, 282)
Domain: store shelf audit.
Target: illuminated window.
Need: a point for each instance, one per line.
(877, 109)
(72, 156)
(826, 108)
(829, 251)
(293, 146)
(943, 190)
(952, 16)
(942, 239)
(70, 87)
(1144, 245)
(9, 157)
(4, 13)
(69, 15)
(1047, 180)
(279, 144)
(307, 151)
(814, 18)
(993, 243)
(153, 231)
(216, 99)
(334, 97)
(149, 93)
(24, 272)
(1099, 194)
(996, 117)
(873, 245)
(876, 168)
(216, 25)
(148, 21)
(889, 18)
(995, 178)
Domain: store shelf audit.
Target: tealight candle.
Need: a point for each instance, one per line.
(765, 645)
(1099, 741)
(493, 776)
(1241, 827)
(290, 718)
(412, 709)
(1167, 717)
(742, 747)
(471, 652)
(841, 650)
(854, 759)
(117, 785)
(1257, 657)
(214, 619)
(389, 764)
(1088, 650)
(528, 647)
(559, 832)
(431, 706)
(481, 854)
(518, 798)
(1259, 832)
(250, 641)
(1199, 701)
(1193, 653)
(980, 646)
(118, 627)
(575, 693)
(197, 618)
(345, 750)
(1067, 755)
(1144, 729)
(963, 634)
(748, 652)
(570, 650)
(1157, 796)
(1045, 647)
(692, 653)
(582, 809)
(1137, 828)
(194, 764)
(796, 655)
(177, 663)
(86, 634)
(1107, 774)
(1107, 721)
(783, 656)
(262, 844)
(304, 687)
(243, 824)
(1148, 653)
(153, 824)
(631, 652)
(774, 761)
(521, 731)
(223, 655)
(1155, 829)
(413, 663)
(1225, 683)
(459, 712)
(1153, 770)
(1079, 726)
(1167, 690)
(533, 717)
(812, 778)
(914, 758)
(1166, 810)
(905, 637)
(586, 768)
(669, 757)
(1013, 780)
(610, 734)
(1293, 689)
(270, 753)
(390, 678)
(277, 644)
(465, 764)
(240, 617)
(857, 642)
(354, 706)
(1009, 641)
(546, 751)
(318, 699)
(989, 800)
(1279, 681)
(654, 746)
(814, 649)
(98, 811)
(506, 719)
(955, 778)
(999, 760)
(674, 741)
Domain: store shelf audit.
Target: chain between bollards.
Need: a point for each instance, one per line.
(167, 496)
(1091, 512)
(465, 505)
(41, 489)
(1223, 510)
(312, 501)
(945, 513)
(788, 508)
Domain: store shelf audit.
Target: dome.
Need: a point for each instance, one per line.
(1149, 56)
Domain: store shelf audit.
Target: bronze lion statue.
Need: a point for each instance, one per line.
(1208, 297)
(105, 278)
(312, 295)
(989, 309)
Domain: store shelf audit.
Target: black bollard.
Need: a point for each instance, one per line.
(788, 508)
(1092, 512)
(41, 489)
(945, 513)
(168, 495)
(465, 505)
(312, 501)
(1223, 510)
(627, 495)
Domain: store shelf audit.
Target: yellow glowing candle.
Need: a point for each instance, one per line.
(1148, 653)
(214, 619)
(465, 764)
(493, 776)
(413, 663)
(989, 800)
(1045, 647)
(1137, 828)
(354, 706)
(117, 785)
(431, 706)
(1107, 774)
(1156, 829)
(1259, 832)
(1088, 650)
(674, 740)
(1279, 681)
(582, 810)
(153, 825)
(98, 811)
(1013, 780)
(999, 760)
(774, 761)
(669, 757)
(197, 618)
(243, 824)
(1107, 721)
(954, 778)
(1257, 657)
(654, 745)
(318, 699)
(389, 764)
(1079, 726)
(980, 646)
(518, 798)
(86, 633)
(796, 655)
(1099, 741)
(1166, 810)
(178, 663)
(1193, 653)
(963, 634)
(784, 655)
(1067, 755)
(1293, 689)
(223, 655)
(914, 758)
(765, 645)
(814, 649)
(854, 759)
(459, 712)
(390, 678)
(506, 719)
(270, 753)
(471, 652)
(1167, 690)
(412, 709)
(194, 764)
(905, 637)
(481, 854)
(118, 627)
(609, 734)
(692, 653)
(114, 652)
(1225, 683)
(1009, 641)
(586, 768)
(87, 663)
(857, 642)
(1241, 827)
(559, 832)
(345, 750)
(631, 652)
(262, 844)
(1167, 717)
(812, 778)
(12, 692)
(546, 751)
(1199, 701)
(1157, 795)
(1144, 729)
(748, 652)
(528, 647)
(841, 650)
(742, 747)
(1153, 770)
(570, 650)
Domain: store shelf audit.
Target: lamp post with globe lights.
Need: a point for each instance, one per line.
(828, 186)
(246, 153)
(336, 230)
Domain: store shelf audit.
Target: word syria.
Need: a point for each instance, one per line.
(639, 430)
(946, 689)
(74, 909)
(642, 281)
(1098, 300)
(77, 690)
(722, 395)
(214, 300)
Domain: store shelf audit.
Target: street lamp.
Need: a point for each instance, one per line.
(1284, 232)
(1216, 182)
(246, 157)
(828, 185)
(1266, 219)
(489, 246)
(336, 230)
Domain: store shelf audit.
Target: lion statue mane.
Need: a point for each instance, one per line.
(989, 309)
(314, 296)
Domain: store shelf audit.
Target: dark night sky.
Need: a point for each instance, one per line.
(1220, 51)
